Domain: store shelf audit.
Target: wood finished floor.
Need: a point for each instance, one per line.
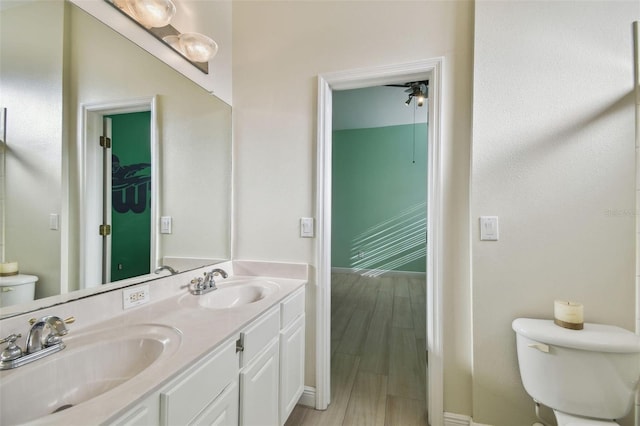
(378, 361)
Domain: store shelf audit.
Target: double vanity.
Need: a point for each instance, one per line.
(230, 355)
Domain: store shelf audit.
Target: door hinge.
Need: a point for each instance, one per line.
(105, 230)
(239, 345)
(105, 142)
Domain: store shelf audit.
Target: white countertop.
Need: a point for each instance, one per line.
(202, 330)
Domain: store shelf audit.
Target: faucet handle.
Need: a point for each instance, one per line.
(11, 338)
(12, 351)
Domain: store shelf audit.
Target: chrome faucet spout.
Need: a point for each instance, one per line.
(165, 268)
(218, 271)
(39, 338)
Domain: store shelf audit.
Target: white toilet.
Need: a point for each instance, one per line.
(588, 377)
(17, 289)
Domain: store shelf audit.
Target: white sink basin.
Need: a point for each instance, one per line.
(233, 294)
(90, 365)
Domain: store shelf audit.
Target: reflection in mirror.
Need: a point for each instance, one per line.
(56, 64)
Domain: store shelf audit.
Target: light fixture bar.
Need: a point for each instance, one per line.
(160, 33)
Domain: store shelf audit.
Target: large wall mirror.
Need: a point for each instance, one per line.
(60, 71)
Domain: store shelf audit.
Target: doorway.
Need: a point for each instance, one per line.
(378, 250)
(430, 70)
(119, 191)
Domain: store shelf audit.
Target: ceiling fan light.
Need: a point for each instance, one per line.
(198, 47)
(152, 13)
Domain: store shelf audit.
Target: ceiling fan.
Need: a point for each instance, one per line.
(415, 89)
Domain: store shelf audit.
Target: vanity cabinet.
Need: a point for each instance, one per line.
(291, 353)
(253, 379)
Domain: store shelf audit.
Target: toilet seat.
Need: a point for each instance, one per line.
(565, 419)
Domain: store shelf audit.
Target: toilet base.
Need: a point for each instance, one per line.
(565, 419)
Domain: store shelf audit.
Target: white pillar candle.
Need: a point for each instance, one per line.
(8, 269)
(568, 314)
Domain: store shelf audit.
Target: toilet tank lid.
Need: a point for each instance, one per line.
(17, 280)
(594, 337)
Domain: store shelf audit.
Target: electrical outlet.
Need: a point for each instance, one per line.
(135, 296)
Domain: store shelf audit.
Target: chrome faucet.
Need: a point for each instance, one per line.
(200, 286)
(165, 268)
(44, 339)
(45, 332)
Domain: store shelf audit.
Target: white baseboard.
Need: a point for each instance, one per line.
(378, 272)
(452, 419)
(308, 398)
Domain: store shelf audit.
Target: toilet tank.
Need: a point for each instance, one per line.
(591, 372)
(17, 289)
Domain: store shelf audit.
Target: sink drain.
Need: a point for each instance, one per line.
(62, 407)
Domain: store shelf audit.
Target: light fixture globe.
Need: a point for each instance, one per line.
(174, 42)
(152, 13)
(198, 47)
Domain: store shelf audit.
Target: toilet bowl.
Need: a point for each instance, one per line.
(17, 289)
(587, 377)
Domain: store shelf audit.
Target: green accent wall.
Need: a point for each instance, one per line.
(131, 195)
(379, 190)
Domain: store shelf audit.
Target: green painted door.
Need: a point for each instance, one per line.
(130, 195)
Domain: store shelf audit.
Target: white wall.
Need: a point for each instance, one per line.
(31, 87)
(553, 157)
(279, 49)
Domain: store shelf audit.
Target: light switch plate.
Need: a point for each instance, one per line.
(54, 221)
(306, 227)
(488, 228)
(165, 224)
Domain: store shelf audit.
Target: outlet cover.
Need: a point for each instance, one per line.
(135, 296)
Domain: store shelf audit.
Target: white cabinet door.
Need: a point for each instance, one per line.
(291, 367)
(259, 389)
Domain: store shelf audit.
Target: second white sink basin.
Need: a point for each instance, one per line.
(233, 294)
(90, 365)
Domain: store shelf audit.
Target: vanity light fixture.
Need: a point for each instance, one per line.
(149, 13)
(155, 16)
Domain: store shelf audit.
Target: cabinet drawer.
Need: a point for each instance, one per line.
(183, 399)
(292, 307)
(223, 411)
(258, 335)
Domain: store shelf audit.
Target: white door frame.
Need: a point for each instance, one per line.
(91, 176)
(430, 69)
